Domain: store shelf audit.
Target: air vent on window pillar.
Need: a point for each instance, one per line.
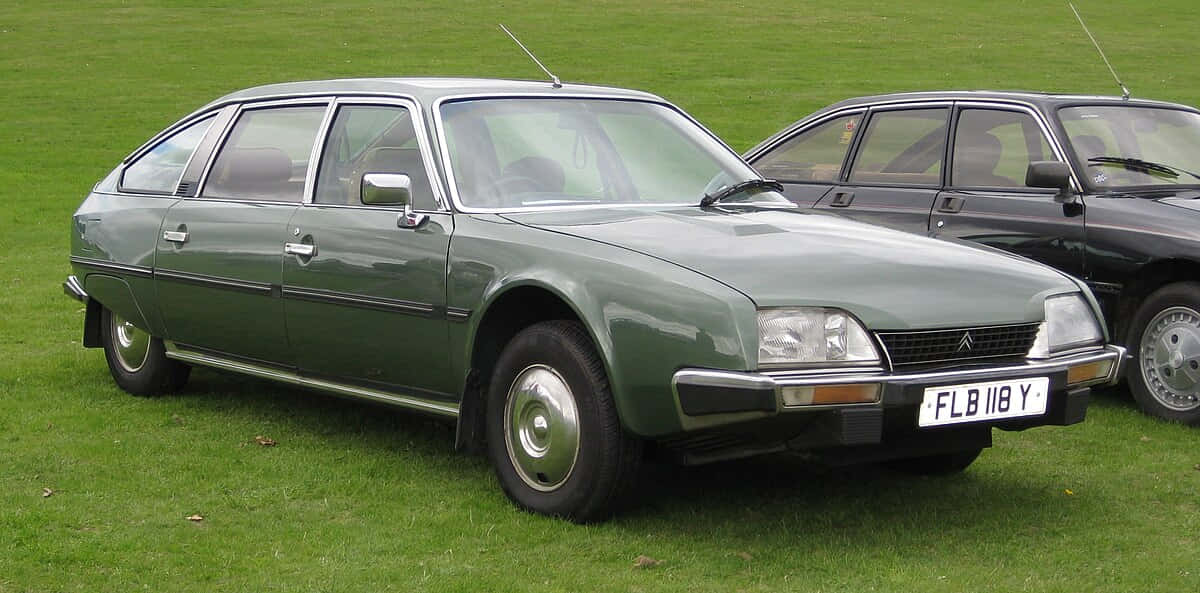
(184, 189)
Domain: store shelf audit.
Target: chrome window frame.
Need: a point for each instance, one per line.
(869, 118)
(452, 184)
(326, 101)
(1047, 135)
(177, 129)
(806, 126)
(417, 115)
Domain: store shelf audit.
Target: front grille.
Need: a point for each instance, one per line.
(954, 345)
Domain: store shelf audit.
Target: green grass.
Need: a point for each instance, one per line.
(355, 499)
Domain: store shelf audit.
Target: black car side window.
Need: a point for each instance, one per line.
(158, 170)
(814, 155)
(371, 139)
(266, 155)
(902, 147)
(993, 148)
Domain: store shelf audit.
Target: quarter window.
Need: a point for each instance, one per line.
(993, 148)
(158, 171)
(266, 156)
(371, 139)
(902, 148)
(814, 155)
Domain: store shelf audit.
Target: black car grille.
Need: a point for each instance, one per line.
(954, 345)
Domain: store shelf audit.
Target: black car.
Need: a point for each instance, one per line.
(1104, 188)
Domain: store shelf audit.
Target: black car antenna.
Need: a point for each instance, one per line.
(1124, 89)
(553, 79)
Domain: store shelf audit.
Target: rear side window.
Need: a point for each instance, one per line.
(993, 148)
(814, 155)
(266, 156)
(158, 170)
(902, 148)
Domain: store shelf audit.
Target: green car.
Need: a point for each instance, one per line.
(572, 274)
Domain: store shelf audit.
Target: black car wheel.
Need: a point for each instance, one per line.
(137, 360)
(936, 465)
(553, 435)
(1164, 339)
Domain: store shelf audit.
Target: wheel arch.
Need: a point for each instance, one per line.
(1145, 281)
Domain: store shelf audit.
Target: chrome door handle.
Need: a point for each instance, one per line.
(175, 236)
(301, 249)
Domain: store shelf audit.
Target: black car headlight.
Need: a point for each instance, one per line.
(1070, 323)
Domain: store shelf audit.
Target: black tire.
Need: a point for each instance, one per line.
(148, 375)
(936, 465)
(548, 360)
(1164, 342)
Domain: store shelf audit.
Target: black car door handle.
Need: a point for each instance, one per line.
(950, 204)
(841, 199)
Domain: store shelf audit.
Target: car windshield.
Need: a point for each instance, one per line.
(550, 152)
(1127, 146)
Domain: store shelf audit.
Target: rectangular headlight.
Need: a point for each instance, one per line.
(805, 335)
(1070, 323)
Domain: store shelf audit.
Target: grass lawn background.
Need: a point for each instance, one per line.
(356, 498)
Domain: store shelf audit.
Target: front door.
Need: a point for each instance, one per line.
(987, 200)
(365, 298)
(219, 255)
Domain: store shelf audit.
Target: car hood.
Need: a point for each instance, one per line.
(778, 258)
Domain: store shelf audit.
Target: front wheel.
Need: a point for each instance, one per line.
(1164, 339)
(553, 435)
(137, 360)
(936, 465)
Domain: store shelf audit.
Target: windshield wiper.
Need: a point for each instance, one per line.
(1142, 166)
(710, 199)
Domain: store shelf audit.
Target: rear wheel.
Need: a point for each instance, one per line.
(553, 435)
(137, 360)
(1164, 339)
(936, 465)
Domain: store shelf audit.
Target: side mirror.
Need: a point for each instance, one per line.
(386, 189)
(1051, 174)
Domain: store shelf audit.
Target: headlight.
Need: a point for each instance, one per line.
(1070, 323)
(811, 335)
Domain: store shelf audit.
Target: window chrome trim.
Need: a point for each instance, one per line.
(202, 182)
(428, 156)
(125, 165)
(1047, 134)
(800, 127)
(452, 184)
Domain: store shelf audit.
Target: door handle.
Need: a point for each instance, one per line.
(951, 204)
(841, 199)
(301, 249)
(175, 236)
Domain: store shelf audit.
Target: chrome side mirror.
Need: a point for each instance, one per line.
(392, 189)
(1050, 174)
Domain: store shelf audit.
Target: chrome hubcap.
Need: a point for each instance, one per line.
(131, 344)
(541, 428)
(1170, 358)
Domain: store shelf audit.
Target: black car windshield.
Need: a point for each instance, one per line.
(526, 153)
(1129, 146)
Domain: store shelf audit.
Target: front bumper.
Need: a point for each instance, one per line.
(724, 400)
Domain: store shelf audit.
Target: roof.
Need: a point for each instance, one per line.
(425, 90)
(1040, 100)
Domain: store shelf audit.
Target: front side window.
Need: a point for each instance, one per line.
(993, 148)
(902, 148)
(814, 155)
(158, 170)
(266, 155)
(1126, 146)
(371, 139)
(531, 153)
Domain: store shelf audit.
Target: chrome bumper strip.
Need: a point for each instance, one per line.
(74, 289)
(415, 403)
(778, 379)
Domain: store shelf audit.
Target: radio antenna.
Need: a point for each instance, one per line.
(1124, 89)
(554, 79)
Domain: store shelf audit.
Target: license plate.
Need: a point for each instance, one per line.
(977, 402)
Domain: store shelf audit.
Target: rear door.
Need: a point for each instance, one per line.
(220, 253)
(896, 171)
(987, 201)
(365, 298)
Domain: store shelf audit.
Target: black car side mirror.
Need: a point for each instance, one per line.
(1052, 174)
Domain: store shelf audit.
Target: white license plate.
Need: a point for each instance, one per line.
(991, 400)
